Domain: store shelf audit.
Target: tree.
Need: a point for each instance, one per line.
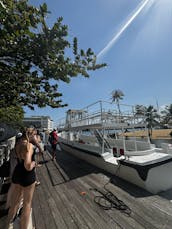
(33, 57)
(117, 95)
(12, 115)
(140, 110)
(167, 114)
(139, 113)
(151, 118)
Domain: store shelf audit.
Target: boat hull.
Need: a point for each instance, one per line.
(153, 178)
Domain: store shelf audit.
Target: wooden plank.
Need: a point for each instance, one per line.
(98, 185)
(56, 207)
(77, 218)
(114, 216)
(92, 212)
(142, 211)
(59, 221)
(89, 198)
(57, 175)
(80, 202)
(37, 213)
(59, 203)
(43, 197)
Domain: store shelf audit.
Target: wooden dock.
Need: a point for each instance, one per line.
(64, 199)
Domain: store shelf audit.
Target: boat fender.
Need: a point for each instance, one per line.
(121, 151)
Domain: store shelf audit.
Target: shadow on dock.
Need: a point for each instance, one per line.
(167, 194)
(75, 168)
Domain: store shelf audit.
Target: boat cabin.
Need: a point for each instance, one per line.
(74, 117)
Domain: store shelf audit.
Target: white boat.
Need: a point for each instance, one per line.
(96, 134)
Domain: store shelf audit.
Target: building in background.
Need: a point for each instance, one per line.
(42, 123)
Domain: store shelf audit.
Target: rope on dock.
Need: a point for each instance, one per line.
(107, 200)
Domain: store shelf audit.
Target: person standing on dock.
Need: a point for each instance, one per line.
(53, 139)
(38, 151)
(23, 179)
(37, 141)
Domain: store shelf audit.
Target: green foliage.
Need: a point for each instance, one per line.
(33, 56)
(140, 110)
(117, 95)
(167, 115)
(12, 115)
(151, 115)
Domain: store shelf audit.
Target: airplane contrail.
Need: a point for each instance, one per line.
(123, 28)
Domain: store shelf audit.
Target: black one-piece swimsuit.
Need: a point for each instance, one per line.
(22, 176)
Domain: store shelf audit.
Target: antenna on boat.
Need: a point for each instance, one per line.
(157, 105)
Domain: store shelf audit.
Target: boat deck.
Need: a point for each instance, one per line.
(64, 199)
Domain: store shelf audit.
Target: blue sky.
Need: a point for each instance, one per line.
(139, 61)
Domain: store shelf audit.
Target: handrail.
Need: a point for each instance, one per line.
(100, 116)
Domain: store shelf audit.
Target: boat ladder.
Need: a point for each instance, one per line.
(100, 139)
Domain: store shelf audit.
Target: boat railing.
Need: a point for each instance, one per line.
(96, 114)
(102, 119)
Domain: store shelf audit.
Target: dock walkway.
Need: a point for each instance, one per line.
(64, 199)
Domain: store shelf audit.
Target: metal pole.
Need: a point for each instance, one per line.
(103, 145)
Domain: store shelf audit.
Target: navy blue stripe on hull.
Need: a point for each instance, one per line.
(144, 169)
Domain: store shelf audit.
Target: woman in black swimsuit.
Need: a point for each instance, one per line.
(23, 179)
